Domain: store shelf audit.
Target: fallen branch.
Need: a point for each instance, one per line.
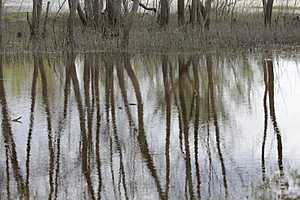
(147, 8)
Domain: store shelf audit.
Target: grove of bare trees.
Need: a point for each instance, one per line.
(116, 18)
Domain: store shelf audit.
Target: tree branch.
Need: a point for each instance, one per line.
(81, 15)
(147, 8)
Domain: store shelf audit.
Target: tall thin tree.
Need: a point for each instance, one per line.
(268, 7)
(36, 17)
(164, 13)
(180, 10)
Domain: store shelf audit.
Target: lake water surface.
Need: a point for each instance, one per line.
(177, 126)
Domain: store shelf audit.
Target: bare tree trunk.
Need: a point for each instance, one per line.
(46, 19)
(205, 11)
(92, 11)
(113, 17)
(268, 7)
(71, 20)
(113, 8)
(199, 12)
(207, 17)
(88, 8)
(110, 11)
(164, 13)
(217, 9)
(264, 9)
(117, 11)
(96, 11)
(180, 5)
(194, 12)
(36, 16)
(135, 6)
(1, 27)
(81, 14)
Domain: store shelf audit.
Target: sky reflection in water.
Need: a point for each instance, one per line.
(117, 126)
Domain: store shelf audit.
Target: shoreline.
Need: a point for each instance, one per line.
(247, 32)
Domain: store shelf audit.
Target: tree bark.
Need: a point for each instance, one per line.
(88, 8)
(207, 17)
(180, 5)
(71, 21)
(135, 6)
(205, 11)
(194, 12)
(46, 20)
(80, 12)
(164, 13)
(1, 27)
(267, 8)
(113, 8)
(36, 16)
(96, 11)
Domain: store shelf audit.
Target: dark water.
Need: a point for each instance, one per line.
(118, 126)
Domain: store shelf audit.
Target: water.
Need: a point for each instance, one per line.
(26, 5)
(118, 126)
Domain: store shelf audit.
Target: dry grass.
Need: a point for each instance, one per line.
(245, 31)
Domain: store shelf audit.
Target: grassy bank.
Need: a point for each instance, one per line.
(240, 31)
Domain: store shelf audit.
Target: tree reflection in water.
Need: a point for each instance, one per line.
(269, 93)
(125, 150)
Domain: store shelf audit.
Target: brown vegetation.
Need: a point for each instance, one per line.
(122, 27)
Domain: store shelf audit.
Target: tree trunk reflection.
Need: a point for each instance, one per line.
(211, 86)
(142, 140)
(183, 70)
